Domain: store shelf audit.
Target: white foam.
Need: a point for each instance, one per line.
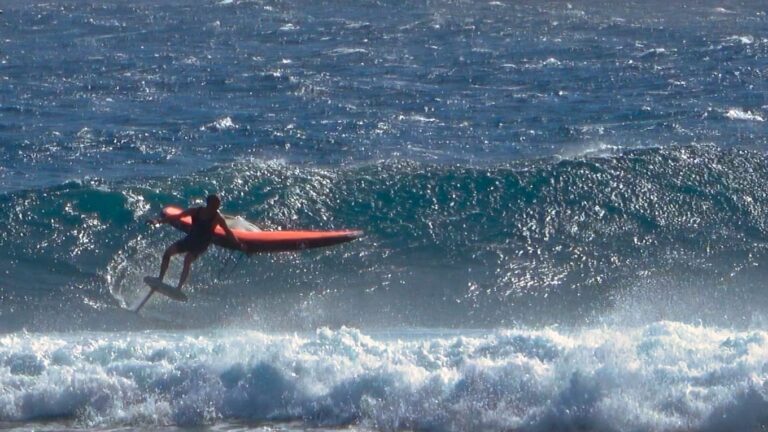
(347, 51)
(737, 114)
(664, 376)
(224, 123)
(653, 52)
(744, 40)
(417, 118)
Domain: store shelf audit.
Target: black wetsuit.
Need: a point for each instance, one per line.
(200, 236)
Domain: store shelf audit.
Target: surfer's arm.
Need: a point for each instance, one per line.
(230, 235)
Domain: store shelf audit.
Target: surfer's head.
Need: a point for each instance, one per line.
(213, 201)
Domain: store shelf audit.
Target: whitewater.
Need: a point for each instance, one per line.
(663, 376)
(564, 206)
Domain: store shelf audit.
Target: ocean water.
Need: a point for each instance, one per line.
(564, 207)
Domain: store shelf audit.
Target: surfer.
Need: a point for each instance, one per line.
(200, 236)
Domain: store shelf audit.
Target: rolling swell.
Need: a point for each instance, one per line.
(663, 232)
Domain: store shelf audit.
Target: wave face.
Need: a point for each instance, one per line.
(674, 233)
(665, 376)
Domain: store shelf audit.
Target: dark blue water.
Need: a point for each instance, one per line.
(129, 89)
(586, 178)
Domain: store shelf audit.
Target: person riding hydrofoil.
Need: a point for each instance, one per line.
(200, 236)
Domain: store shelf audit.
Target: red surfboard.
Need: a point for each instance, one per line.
(269, 241)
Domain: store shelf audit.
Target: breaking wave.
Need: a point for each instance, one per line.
(664, 376)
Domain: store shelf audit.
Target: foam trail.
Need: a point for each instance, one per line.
(663, 376)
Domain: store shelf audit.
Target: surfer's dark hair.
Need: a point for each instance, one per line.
(212, 198)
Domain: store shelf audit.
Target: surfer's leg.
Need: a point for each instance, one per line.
(189, 258)
(171, 251)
